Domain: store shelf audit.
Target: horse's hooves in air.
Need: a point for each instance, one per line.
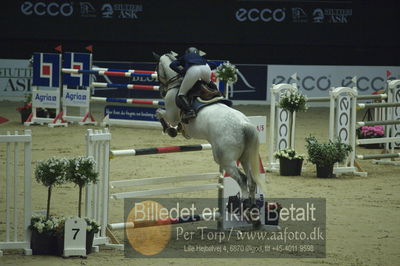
(172, 132)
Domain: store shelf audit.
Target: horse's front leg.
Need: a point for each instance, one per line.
(171, 131)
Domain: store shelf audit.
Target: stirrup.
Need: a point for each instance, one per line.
(186, 116)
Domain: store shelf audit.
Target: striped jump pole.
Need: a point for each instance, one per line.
(128, 101)
(124, 70)
(126, 86)
(377, 140)
(107, 73)
(158, 150)
(376, 105)
(382, 122)
(167, 221)
(378, 156)
(359, 97)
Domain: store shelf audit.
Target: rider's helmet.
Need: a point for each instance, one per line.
(192, 50)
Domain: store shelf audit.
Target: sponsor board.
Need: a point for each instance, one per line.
(15, 79)
(77, 98)
(315, 81)
(130, 113)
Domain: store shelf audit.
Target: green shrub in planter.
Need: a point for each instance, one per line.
(326, 154)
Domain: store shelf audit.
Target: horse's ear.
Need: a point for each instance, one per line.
(202, 53)
(156, 56)
(174, 54)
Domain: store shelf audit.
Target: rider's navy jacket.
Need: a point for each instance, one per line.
(188, 60)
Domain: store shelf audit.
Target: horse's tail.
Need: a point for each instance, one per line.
(251, 157)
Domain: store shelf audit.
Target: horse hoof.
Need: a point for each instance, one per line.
(172, 132)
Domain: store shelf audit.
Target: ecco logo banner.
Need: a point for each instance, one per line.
(262, 15)
(51, 9)
(315, 81)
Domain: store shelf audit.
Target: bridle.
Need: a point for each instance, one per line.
(164, 86)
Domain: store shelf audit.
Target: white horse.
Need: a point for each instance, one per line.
(232, 136)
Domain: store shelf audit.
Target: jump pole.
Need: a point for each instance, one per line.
(124, 70)
(126, 86)
(108, 73)
(158, 150)
(168, 221)
(391, 120)
(158, 103)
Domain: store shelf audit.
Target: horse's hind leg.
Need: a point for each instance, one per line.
(238, 176)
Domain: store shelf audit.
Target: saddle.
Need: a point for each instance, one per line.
(202, 95)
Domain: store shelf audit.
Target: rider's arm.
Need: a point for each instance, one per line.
(177, 67)
(212, 64)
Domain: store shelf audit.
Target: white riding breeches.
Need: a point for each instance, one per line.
(193, 74)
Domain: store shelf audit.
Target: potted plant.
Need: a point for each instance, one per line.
(325, 155)
(290, 162)
(92, 228)
(292, 101)
(368, 132)
(26, 109)
(50, 173)
(81, 171)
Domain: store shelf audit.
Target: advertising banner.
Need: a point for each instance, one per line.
(315, 81)
(15, 79)
(130, 113)
(251, 84)
(250, 21)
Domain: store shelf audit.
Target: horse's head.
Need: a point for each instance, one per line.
(168, 78)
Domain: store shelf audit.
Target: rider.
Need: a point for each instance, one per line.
(193, 67)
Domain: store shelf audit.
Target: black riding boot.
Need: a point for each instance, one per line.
(188, 111)
(212, 86)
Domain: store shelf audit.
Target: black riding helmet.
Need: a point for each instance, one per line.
(192, 50)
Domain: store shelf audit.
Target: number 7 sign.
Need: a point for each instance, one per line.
(75, 237)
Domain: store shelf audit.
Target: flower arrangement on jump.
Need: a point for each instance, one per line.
(368, 132)
(293, 101)
(227, 72)
(288, 154)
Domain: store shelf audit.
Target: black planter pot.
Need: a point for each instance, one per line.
(89, 242)
(325, 171)
(290, 167)
(43, 244)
